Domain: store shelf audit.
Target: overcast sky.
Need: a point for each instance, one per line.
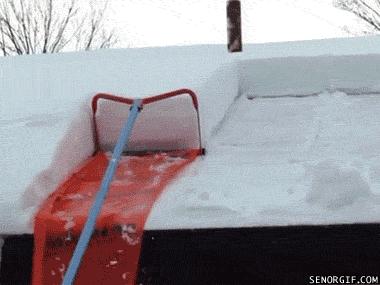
(177, 22)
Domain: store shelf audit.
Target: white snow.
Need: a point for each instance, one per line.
(304, 76)
(281, 161)
(176, 116)
(263, 154)
(39, 152)
(40, 95)
(335, 186)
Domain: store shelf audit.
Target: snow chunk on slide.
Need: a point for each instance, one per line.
(169, 124)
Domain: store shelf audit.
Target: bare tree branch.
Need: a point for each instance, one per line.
(72, 10)
(50, 26)
(367, 10)
(2, 45)
(47, 24)
(9, 30)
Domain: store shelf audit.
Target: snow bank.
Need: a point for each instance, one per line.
(75, 146)
(332, 47)
(310, 75)
(40, 152)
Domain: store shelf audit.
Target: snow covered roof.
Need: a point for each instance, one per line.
(283, 161)
(45, 124)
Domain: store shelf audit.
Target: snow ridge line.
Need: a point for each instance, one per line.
(348, 92)
(218, 126)
(251, 97)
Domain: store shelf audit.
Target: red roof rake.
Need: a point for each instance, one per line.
(112, 254)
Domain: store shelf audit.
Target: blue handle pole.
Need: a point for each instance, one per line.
(88, 229)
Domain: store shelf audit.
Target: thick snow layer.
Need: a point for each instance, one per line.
(282, 161)
(39, 152)
(165, 125)
(42, 143)
(304, 76)
(45, 122)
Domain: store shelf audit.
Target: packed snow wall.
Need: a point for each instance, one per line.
(46, 121)
(293, 76)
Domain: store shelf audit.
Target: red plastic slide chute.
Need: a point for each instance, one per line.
(165, 139)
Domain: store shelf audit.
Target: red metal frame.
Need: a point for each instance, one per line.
(145, 101)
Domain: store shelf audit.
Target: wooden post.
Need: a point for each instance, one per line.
(234, 26)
